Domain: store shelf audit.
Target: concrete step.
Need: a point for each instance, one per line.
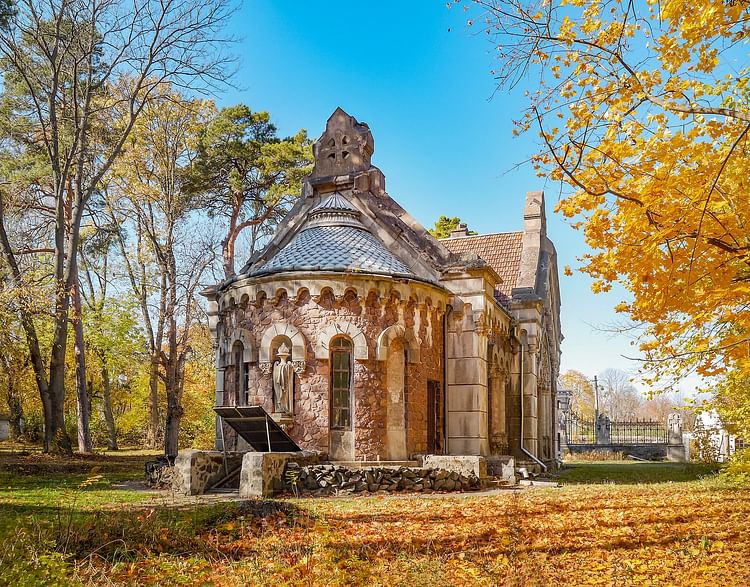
(495, 483)
(538, 483)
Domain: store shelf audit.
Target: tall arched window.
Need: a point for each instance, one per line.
(240, 370)
(341, 384)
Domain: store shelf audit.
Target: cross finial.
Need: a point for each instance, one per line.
(345, 147)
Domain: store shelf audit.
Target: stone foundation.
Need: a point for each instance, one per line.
(262, 473)
(330, 479)
(268, 474)
(502, 467)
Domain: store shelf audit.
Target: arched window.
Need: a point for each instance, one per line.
(240, 370)
(341, 384)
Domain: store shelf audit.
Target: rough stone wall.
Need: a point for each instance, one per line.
(372, 314)
(429, 366)
(324, 480)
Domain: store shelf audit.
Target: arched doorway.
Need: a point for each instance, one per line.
(341, 388)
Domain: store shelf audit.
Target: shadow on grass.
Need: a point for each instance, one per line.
(37, 463)
(228, 530)
(632, 473)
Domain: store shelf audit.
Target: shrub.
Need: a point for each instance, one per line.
(594, 455)
(738, 468)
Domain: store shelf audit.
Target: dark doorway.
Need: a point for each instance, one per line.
(435, 418)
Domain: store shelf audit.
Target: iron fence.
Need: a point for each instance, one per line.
(579, 431)
(638, 432)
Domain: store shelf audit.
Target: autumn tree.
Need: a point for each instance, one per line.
(444, 225)
(164, 248)
(248, 176)
(60, 60)
(732, 401)
(113, 342)
(582, 389)
(13, 363)
(642, 109)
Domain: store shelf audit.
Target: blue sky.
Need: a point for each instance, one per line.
(443, 137)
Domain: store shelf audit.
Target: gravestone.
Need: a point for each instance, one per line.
(603, 429)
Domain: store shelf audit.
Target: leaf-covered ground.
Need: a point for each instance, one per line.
(668, 533)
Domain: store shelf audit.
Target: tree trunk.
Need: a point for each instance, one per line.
(174, 403)
(27, 322)
(172, 424)
(152, 438)
(55, 434)
(83, 408)
(13, 399)
(109, 417)
(172, 365)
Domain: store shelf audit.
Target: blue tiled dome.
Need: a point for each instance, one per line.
(334, 239)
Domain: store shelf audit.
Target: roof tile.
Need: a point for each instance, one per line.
(501, 251)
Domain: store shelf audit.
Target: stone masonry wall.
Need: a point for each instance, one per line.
(329, 479)
(312, 316)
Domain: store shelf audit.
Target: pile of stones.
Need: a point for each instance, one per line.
(340, 480)
(160, 473)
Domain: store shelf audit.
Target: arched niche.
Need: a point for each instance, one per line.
(392, 333)
(289, 331)
(338, 328)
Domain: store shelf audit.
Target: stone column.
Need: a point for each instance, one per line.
(530, 400)
(541, 420)
(603, 430)
(498, 429)
(219, 397)
(467, 388)
(396, 406)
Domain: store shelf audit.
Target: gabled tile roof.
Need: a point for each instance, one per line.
(501, 251)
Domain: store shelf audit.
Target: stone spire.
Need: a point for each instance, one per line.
(345, 147)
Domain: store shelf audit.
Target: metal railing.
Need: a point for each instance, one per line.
(579, 430)
(638, 432)
(583, 431)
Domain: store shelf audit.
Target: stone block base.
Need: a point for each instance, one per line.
(677, 453)
(262, 473)
(198, 470)
(502, 467)
(461, 464)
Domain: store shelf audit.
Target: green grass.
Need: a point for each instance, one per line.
(633, 472)
(662, 519)
(38, 487)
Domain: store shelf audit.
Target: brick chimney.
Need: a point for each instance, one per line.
(460, 230)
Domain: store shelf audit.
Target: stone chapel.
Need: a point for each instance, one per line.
(368, 339)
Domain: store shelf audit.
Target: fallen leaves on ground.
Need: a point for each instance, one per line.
(666, 534)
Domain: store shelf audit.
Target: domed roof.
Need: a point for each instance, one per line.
(334, 239)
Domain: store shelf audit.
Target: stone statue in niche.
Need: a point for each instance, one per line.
(283, 382)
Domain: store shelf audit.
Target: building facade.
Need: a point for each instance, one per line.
(369, 339)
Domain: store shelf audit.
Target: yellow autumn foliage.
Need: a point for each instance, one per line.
(653, 143)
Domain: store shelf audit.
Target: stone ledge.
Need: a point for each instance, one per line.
(461, 464)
